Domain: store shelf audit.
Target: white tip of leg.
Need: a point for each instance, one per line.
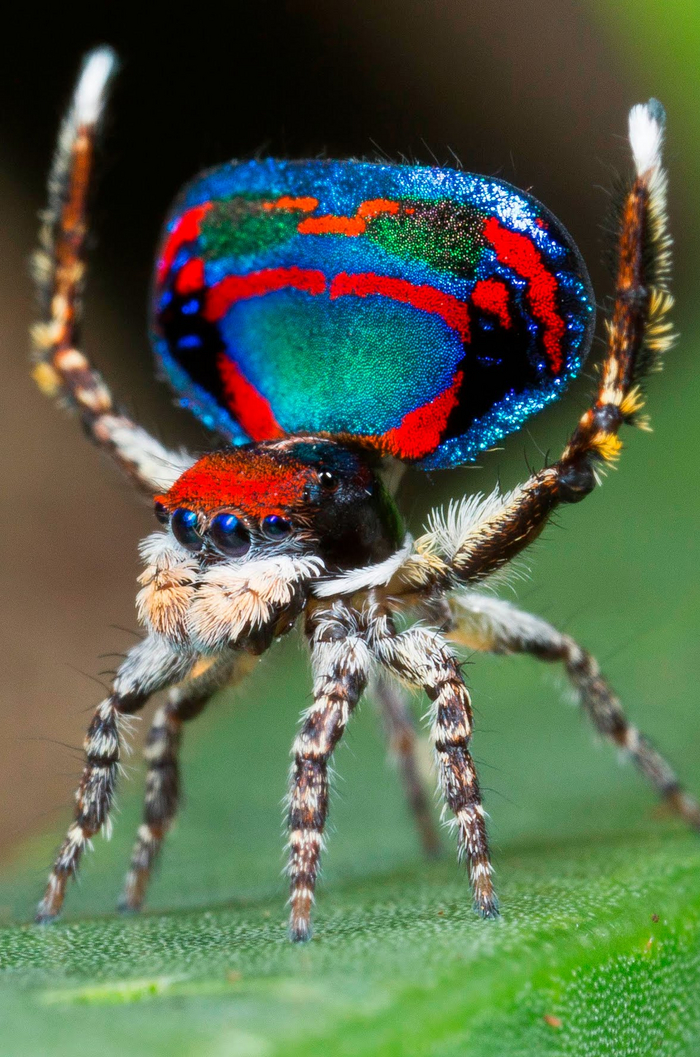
(646, 132)
(89, 98)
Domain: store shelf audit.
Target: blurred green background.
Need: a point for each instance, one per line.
(538, 93)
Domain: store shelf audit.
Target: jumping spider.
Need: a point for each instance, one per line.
(357, 273)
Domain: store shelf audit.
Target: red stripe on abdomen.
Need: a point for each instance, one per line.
(421, 430)
(249, 407)
(234, 288)
(519, 252)
(186, 229)
(424, 297)
(491, 295)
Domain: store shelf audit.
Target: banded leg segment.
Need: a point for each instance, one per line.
(149, 666)
(423, 659)
(401, 734)
(60, 368)
(489, 624)
(340, 660)
(185, 702)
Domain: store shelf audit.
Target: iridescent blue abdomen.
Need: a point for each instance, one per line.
(427, 310)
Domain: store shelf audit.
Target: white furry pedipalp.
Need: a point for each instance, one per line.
(168, 585)
(233, 601)
(370, 576)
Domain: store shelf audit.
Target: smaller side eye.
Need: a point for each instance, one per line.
(229, 535)
(183, 524)
(328, 481)
(161, 511)
(275, 527)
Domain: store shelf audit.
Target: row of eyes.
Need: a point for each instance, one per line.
(227, 532)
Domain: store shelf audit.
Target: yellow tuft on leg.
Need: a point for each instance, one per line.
(632, 402)
(607, 446)
(48, 379)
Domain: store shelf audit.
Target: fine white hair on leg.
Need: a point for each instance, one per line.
(341, 662)
(156, 467)
(488, 624)
(451, 530)
(185, 702)
(452, 541)
(149, 666)
(647, 123)
(90, 92)
(422, 658)
(484, 622)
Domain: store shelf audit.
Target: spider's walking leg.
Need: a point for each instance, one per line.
(341, 660)
(60, 368)
(422, 658)
(150, 666)
(185, 702)
(401, 734)
(489, 624)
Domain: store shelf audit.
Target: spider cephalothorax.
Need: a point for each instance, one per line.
(328, 319)
(303, 494)
(282, 513)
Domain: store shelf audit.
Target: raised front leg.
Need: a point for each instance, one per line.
(61, 369)
(185, 702)
(341, 661)
(485, 623)
(480, 535)
(423, 659)
(150, 666)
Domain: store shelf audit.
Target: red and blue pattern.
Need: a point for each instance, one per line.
(427, 311)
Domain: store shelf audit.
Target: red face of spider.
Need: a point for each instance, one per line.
(305, 491)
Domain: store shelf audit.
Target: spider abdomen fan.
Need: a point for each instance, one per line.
(427, 310)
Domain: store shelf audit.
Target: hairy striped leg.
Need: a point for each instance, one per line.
(481, 535)
(401, 734)
(423, 658)
(341, 661)
(60, 368)
(151, 665)
(185, 702)
(485, 623)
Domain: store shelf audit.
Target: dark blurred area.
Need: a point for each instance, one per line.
(537, 93)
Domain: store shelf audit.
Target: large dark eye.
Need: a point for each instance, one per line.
(328, 481)
(184, 528)
(276, 528)
(161, 512)
(229, 535)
